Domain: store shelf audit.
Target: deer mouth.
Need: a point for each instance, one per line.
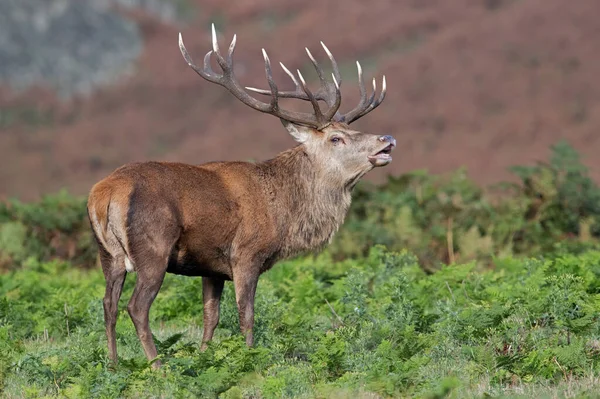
(383, 157)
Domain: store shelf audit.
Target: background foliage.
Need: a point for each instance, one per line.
(550, 208)
(479, 293)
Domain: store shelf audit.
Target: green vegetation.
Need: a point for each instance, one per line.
(55, 227)
(552, 209)
(478, 294)
(32, 117)
(324, 329)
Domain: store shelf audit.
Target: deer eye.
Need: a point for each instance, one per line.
(336, 140)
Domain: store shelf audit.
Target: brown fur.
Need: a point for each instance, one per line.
(232, 220)
(222, 221)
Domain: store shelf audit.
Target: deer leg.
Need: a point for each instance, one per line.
(147, 285)
(245, 289)
(114, 274)
(211, 295)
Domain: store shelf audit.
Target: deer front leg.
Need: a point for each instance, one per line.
(211, 295)
(245, 288)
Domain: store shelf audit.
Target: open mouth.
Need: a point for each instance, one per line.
(382, 157)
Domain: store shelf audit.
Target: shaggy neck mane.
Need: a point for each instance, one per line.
(318, 204)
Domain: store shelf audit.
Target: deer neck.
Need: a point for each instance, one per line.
(308, 207)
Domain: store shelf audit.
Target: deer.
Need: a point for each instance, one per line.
(232, 221)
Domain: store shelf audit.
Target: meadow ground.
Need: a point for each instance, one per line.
(473, 295)
(372, 327)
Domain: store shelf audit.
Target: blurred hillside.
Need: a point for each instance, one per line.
(86, 86)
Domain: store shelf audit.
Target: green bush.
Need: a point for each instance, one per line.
(55, 227)
(374, 325)
(554, 208)
(484, 293)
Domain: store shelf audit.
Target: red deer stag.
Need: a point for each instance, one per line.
(233, 220)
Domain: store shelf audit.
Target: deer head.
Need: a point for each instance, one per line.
(341, 154)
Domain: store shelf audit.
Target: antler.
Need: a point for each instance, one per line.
(365, 105)
(227, 79)
(327, 92)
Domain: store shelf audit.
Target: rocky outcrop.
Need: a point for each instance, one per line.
(71, 46)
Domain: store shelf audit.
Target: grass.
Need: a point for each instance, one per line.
(373, 327)
(497, 297)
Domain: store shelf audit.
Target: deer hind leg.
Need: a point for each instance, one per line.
(114, 273)
(245, 282)
(212, 288)
(147, 285)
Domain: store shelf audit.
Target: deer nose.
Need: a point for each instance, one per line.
(389, 139)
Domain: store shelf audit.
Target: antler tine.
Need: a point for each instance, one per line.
(230, 51)
(330, 94)
(290, 74)
(381, 96)
(337, 76)
(272, 85)
(207, 73)
(207, 66)
(335, 81)
(215, 43)
(298, 93)
(332, 113)
(376, 103)
(361, 84)
(364, 105)
(316, 65)
(372, 104)
(313, 100)
(372, 96)
(333, 109)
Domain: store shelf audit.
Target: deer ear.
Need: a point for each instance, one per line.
(300, 133)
